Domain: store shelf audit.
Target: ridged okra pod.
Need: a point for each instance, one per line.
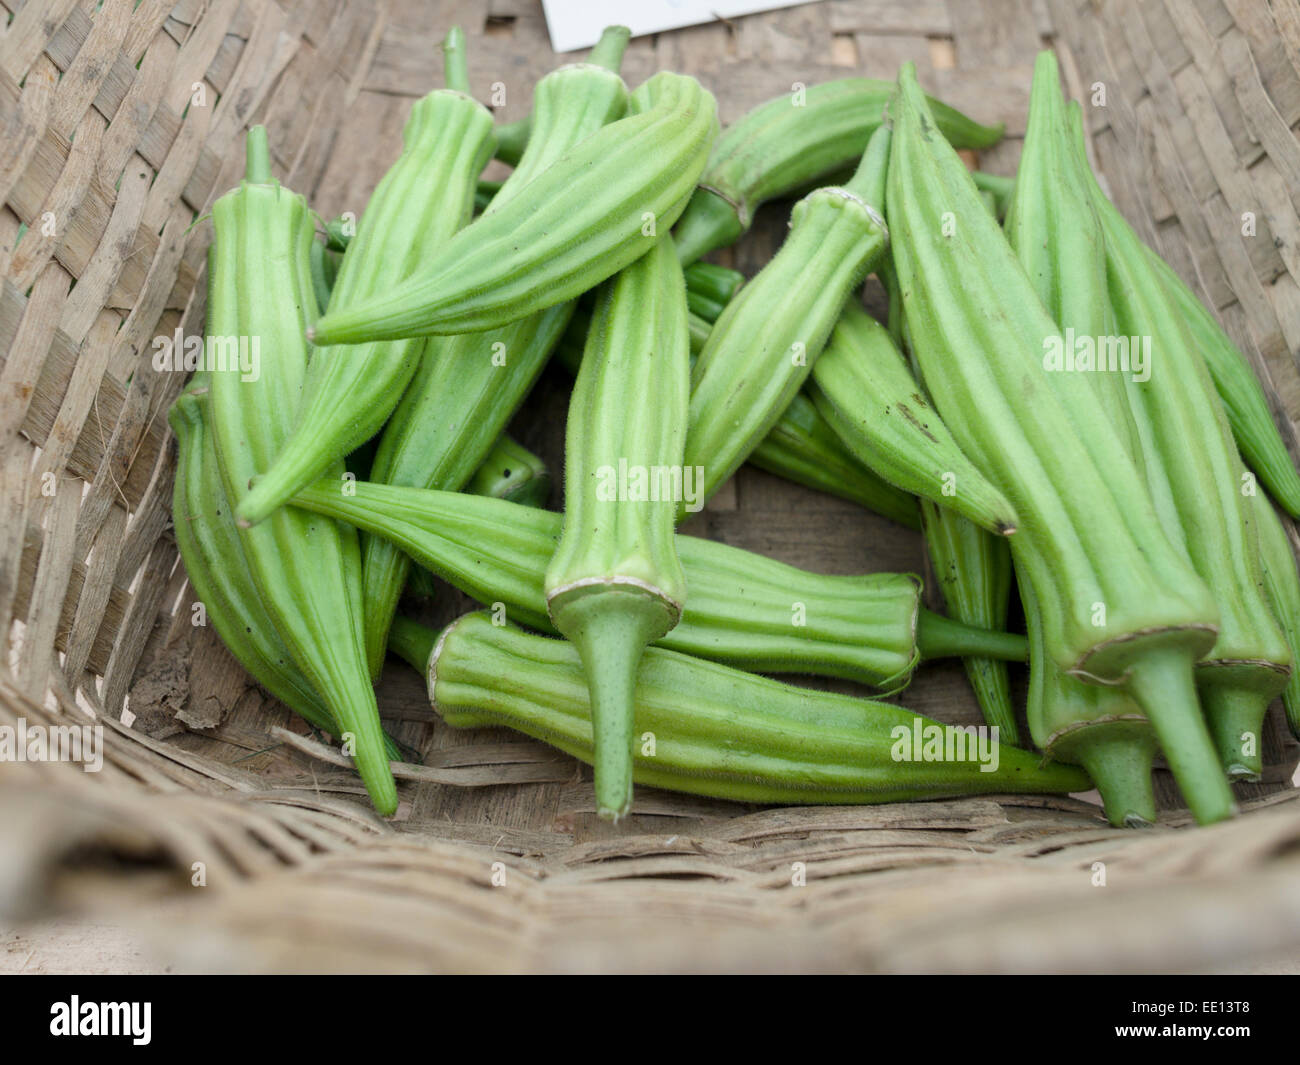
(1282, 585)
(1000, 188)
(598, 208)
(1118, 602)
(1192, 463)
(792, 143)
(468, 387)
(741, 608)
(210, 547)
(306, 568)
(1242, 395)
(800, 447)
(615, 583)
(421, 201)
(863, 388)
(972, 567)
(707, 729)
(1054, 230)
(803, 448)
(756, 359)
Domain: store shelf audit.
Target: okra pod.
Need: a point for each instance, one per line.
(595, 210)
(789, 144)
(210, 547)
(512, 472)
(512, 140)
(1282, 585)
(1056, 235)
(1118, 602)
(864, 390)
(615, 583)
(741, 608)
(972, 568)
(423, 199)
(755, 360)
(485, 191)
(971, 565)
(803, 448)
(800, 447)
(433, 443)
(799, 746)
(717, 284)
(1243, 398)
(306, 568)
(1192, 463)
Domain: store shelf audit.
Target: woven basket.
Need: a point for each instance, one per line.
(232, 840)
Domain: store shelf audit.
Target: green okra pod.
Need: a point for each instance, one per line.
(789, 144)
(512, 140)
(1056, 235)
(1118, 603)
(306, 568)
(1194, 469)
(1282, 585)
(755, 360)
(210, 547)
(741, 608)
(710, 730)
(972, 566)
(615, 583)
(717, 284)
(512, 472)
(863, 388)
(1001, 189)
(421, 201)
(467, 388)
(800, 447)
(596, 209)
(1243, 397)
(803, 448)
(484, 192)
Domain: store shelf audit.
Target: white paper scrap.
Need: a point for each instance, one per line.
(575, 24)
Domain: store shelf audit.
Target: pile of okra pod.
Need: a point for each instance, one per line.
(1046, 400)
